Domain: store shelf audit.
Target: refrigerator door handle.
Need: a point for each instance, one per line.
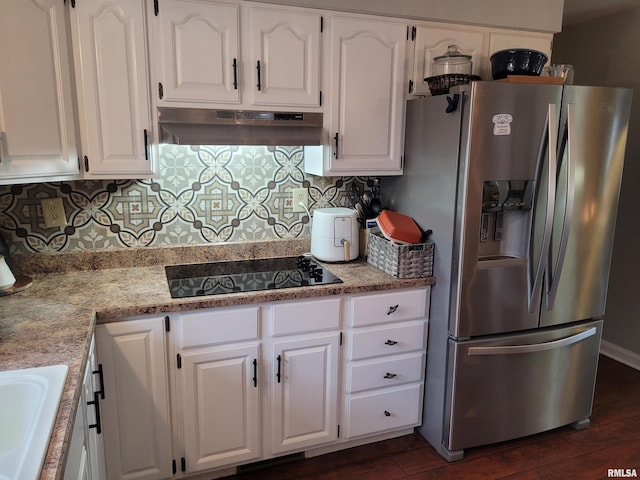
(553, 276)
(533, 348)
(552, 135)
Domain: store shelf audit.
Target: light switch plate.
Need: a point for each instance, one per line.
(53, 212)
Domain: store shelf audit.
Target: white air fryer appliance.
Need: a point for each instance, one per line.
(334, 234)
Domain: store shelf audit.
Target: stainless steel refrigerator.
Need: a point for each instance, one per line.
(520, 185)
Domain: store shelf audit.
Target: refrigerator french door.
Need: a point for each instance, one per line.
(520, 184)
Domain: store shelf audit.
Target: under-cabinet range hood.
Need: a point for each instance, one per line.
(201, 126)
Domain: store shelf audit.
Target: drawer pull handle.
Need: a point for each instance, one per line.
(387, 414)
(390, 375)
(100, 374)
(392, 309)
(390, 342)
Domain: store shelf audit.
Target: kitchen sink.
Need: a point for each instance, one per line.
(29, 400)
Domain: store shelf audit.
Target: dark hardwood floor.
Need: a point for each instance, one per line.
(611, 441)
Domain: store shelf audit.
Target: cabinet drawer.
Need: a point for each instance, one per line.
(387, 372)
(306, 316)
(214, 326)
(387, 410)
(379, 341)
(388, 307)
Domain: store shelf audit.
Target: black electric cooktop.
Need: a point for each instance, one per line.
(199, 279)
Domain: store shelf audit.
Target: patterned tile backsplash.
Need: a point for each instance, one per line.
(204, 195)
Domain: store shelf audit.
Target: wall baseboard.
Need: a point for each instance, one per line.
(620, 354)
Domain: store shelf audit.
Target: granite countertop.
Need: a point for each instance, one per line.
(52, 321)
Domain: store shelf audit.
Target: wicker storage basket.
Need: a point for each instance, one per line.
(441, 84)
(402, 261)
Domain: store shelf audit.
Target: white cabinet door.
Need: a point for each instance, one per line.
(366, 100)
(431, 41)
(285, 57)
(112, 78)
(200, 61)
(93, 388)
(136, 421)
(304, 392)
(86, 453)
(37, 116)
(220, 406)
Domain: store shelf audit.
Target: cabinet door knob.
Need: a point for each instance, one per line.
(387, 414)
(390, 342)
(392, 309)
(390, 375)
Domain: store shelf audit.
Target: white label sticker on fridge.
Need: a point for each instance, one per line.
(502, 124)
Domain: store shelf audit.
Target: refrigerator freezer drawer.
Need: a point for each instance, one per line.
(512, 386)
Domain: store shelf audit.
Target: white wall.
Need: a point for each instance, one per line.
(536, 15)
(604, 52)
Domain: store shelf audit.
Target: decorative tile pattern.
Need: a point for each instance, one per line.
(205, 194)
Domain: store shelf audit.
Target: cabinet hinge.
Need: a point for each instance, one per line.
(174, 466)
(320, 97)
(167, 323)
(79, 164)
(413, 33)
(86, 163)
(179, 360)
(321, 24)
(160, 90)
(338, 430)
(340, 338)
(156, 8)
(410, 86)
(183, 464)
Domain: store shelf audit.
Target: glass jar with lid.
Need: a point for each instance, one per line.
(454, 61)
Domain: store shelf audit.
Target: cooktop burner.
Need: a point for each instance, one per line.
(199, 279)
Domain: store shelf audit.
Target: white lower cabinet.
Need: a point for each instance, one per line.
(136, 420)
(217, 402)
(85, 460)
(385, 362)
(304, 394)
(204, 391)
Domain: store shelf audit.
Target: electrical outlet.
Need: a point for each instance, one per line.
(53, 212)
(300, 195)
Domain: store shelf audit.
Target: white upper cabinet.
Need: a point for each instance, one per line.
(233, 55)
(431, 41)
(112, 78)
(37, 117)
(364, 115)
(285, 55)
(200, 60)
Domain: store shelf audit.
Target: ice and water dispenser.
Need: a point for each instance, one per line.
(505, 219)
